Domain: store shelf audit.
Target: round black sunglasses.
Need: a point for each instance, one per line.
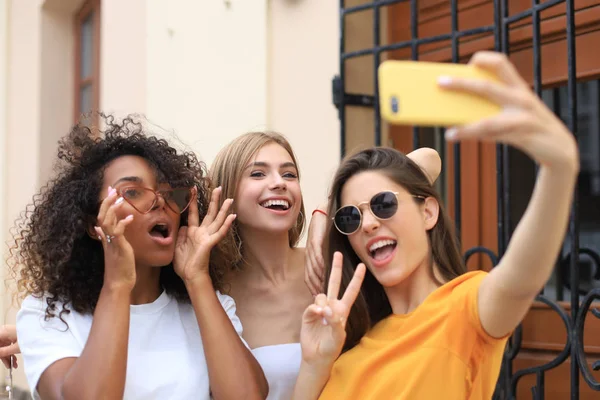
(383, 205)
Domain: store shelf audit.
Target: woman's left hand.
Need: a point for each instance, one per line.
(9, 346)
(525, 122)
(195, 241)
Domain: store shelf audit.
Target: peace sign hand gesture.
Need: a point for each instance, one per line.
(324, 323)
(195, 241)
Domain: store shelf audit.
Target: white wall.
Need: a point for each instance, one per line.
(303, 58)
(207, 70)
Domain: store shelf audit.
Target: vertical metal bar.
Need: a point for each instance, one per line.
(414, 53)
(505, 26)
(416, 137)
(505, 174)
(497, 25)
(454, 28)
(594, 100)
(537, 79)
(560, 284)
(498, 42)
(540, 380)
(457, 171)
(506, 194)
(574, 223)
(503, 385)
(376, 61)
(342, 109)
(501, 42)
(537, 64)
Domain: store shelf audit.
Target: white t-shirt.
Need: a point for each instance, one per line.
(165, 355)
(281, 365)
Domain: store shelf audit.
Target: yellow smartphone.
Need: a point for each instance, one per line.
(409, 94)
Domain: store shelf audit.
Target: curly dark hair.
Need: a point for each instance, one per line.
(52, 254)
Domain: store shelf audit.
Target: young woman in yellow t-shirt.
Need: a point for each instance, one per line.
(421, 327)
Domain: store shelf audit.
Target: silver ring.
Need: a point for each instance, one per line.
(109, 238)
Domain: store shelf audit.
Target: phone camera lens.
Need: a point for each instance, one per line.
(394, 104)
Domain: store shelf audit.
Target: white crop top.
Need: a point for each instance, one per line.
(281, 365)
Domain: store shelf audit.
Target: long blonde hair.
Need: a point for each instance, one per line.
(227, 170)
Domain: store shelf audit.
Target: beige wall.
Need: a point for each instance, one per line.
(207, 77)
(209, 71)
(303, 58)
(4, 41)
(216, 70)
(40, 91)
(3, 124)
(55, 97)
(123, 56)
(22, 144)
(23, 97)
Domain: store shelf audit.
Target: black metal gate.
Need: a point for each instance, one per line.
(568, 266)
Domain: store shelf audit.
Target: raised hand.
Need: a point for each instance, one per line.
(525, 121)
(314, 269)
(324, 323)
(507, 292)
(119, 261)
(9, 346)
(195, 241)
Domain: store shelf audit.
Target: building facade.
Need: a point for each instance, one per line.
(210, 71)
(207, 71)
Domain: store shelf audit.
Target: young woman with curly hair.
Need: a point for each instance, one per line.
(113, 258)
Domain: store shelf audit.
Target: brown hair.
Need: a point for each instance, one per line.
(372, 304)
(227, 170)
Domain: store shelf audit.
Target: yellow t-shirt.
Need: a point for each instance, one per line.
(438, 351)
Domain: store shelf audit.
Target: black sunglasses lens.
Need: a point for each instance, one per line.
(384, 205)
(347, 219)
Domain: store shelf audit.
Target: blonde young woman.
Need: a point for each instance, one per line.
(260, 172)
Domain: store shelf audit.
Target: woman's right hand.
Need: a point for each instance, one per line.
(323, 330)
(119, 261)
(314, 269)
